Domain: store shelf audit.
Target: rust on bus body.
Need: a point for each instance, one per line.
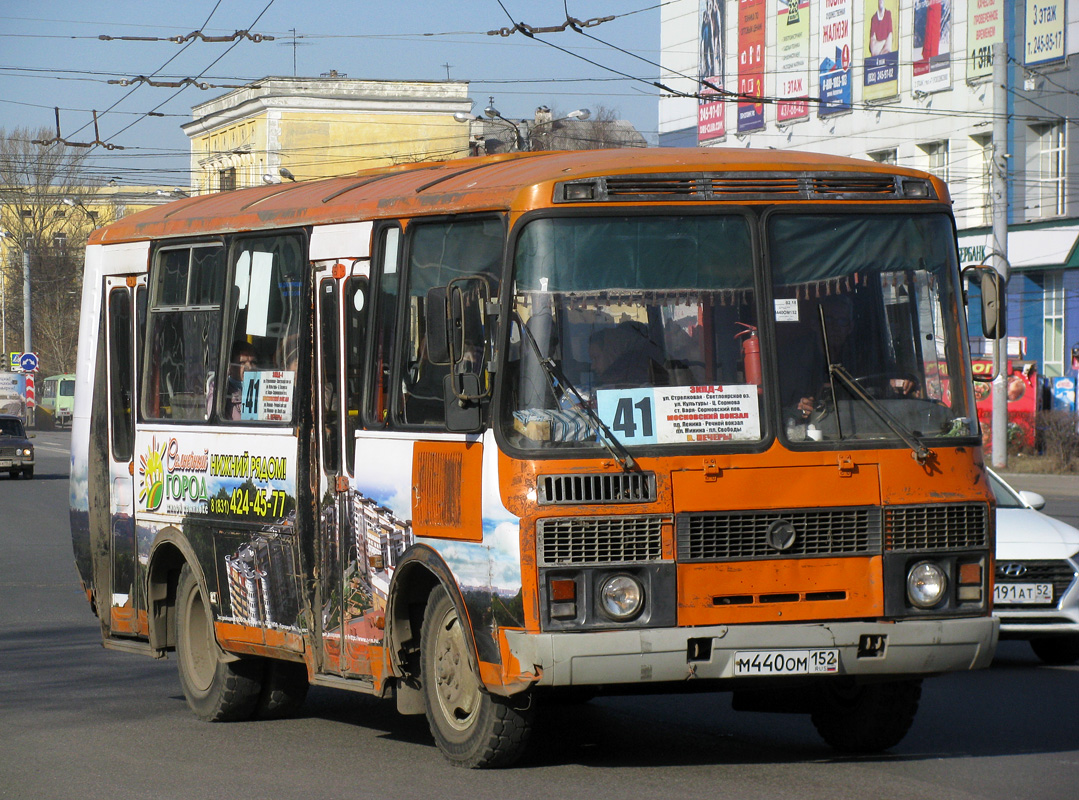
(516, 182)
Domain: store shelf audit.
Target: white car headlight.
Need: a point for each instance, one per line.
(926, 583)
(621, 597)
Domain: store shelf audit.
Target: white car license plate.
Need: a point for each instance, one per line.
(1020, 593)
(5, 462)
(785, 662)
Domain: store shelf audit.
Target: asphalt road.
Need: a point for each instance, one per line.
(78, 721)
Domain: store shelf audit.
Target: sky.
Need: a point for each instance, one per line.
(51, 56)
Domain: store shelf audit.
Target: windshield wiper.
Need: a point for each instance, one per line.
(919, 451)
(560, 384)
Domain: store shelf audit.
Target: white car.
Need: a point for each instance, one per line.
(1037, 566)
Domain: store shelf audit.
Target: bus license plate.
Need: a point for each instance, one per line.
(1021, 593)
(785, 662)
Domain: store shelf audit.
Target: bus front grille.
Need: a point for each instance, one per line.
(599, 540)
(597, 487)
(941, 526)
(771, 534)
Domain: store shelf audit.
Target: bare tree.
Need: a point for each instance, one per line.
(47, 211)
(603, 129)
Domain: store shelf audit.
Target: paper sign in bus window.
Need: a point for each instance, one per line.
(267, 395)
(681, 414)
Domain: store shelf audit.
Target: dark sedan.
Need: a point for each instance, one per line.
(16, 451)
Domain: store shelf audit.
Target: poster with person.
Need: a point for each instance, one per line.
(880, 76)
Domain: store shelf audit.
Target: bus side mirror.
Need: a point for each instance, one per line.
(994, 302)
(994, 294)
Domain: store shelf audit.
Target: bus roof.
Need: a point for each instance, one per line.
(498, 182)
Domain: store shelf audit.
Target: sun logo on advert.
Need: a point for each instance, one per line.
(152, 469)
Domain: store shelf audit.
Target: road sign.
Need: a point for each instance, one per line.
(15, 361)
(28, 362)
(30, 402)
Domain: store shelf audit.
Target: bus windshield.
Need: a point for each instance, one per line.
(868, 337)
(645, 329)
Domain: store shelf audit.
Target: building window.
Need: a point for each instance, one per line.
(226, 179)
(59, 243)
(1048, 171)
(885, 156)
(936, 158)
(1053, 327)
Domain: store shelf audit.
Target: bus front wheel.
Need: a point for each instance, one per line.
(217, 689)
(868, 718)
(471, 727)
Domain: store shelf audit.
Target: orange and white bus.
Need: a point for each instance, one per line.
(470, 434)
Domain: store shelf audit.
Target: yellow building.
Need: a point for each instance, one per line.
(302, 128)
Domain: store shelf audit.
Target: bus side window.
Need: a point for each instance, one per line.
(386, 293)
(356, 303)
(330, 394)
(438, 254)
(263, 345)
(184, 331)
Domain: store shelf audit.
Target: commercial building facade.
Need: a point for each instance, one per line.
(905, 82)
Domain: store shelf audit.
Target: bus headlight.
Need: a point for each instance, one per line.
(926, 583)
(621, 597)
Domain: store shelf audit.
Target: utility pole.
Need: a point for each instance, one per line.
(999, 191)
(26, 299)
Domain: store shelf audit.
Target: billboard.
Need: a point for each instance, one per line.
(792, 60)
(880, 74)
(984, 29)
(1044, 32)
(751, 16)
(711, 122)
(834, 64)
(932, 45)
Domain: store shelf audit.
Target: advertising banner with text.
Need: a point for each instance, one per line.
(880, 76)
(932, 45)
(711, 117)
(792, 60)
(985, 28)
(1044, 32)
(751, 16)
(834, 65)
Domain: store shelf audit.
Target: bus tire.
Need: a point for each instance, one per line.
(869, 718)
(217, 688)
(471, 727)
(1056, 650)
(284, 689)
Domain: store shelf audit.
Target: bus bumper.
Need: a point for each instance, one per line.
(909, 647)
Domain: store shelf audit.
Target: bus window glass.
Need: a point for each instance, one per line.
(184, 332)
(264, 338)
(880, 292)
(355, 330)
(652, 322)
(330, 394)
(468, 251)
(389, 251)
(121, 353)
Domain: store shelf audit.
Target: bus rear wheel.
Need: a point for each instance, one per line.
(218, 688)
(471, 727)
(869, 718)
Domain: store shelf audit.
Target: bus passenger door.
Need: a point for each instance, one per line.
(125, 307)
(348, 619)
